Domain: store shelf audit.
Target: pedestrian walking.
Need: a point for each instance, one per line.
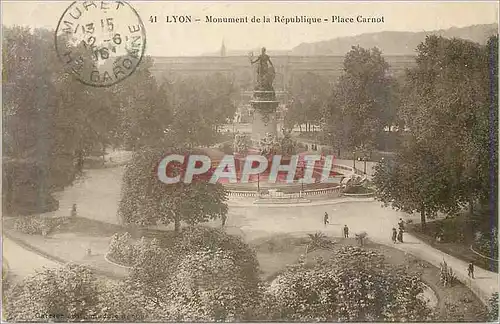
(73, 211)
(401, 224)
(346, 231)
(470, 270)
(400, 235)
(325, 219)
(394, 235)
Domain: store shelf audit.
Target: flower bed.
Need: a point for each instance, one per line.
(38, 225)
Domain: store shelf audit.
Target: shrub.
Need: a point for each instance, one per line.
(209, 285)
(72, 293)
(197, 238)
(37, 225)
(118, 303)
(67, 293)
(447, 276)
(319, 241)
(206, 275)
(493, 308)
(451, 230)
(151, 273)
(356, 285)
(121, 249)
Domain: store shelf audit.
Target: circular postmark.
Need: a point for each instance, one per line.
(100, 42)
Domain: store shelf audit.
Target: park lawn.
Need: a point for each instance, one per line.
(276, 252)
(460, 250)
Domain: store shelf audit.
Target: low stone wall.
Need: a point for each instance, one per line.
(361, 195)
(281, 201)
(336, 191)
(243, 194)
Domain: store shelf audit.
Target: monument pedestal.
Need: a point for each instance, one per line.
(264, 104)
(261, 125)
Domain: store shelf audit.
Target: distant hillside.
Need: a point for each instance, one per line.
(256, 52)
(392, 42)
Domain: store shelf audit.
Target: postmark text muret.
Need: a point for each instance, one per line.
(100, 42)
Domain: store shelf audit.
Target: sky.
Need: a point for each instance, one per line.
(196, 38)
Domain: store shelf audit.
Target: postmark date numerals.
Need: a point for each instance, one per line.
(107, 24)
(89, 43)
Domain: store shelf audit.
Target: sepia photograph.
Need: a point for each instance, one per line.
(249, 161)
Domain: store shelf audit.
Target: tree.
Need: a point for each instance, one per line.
(451, 110)
(145, 111)
(221, 93)
(199, 105)
(145, 200)
(416, 181)
(356, 285)
(49, 118)
(69, 293)
(362, 103)
(309, 94)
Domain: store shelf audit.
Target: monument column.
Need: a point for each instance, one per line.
(264, 101)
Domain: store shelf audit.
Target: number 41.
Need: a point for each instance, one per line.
(152, 19)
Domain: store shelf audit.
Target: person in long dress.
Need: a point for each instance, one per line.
(400, 235)
(394, 235)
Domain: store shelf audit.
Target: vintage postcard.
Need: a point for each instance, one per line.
(237, 161)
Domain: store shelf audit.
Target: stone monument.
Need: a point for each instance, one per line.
(264, 101)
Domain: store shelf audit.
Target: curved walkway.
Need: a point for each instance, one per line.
(23, 262)
(360, 215)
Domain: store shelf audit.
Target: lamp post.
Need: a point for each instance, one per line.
(258, 183)
(354, 160)
(364, 169)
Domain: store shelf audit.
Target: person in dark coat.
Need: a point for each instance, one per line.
(325, 219)
(394, 235)
(470, 270)
(346, 231)
(401, 224)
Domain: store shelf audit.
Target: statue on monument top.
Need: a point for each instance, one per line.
(265, 70)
